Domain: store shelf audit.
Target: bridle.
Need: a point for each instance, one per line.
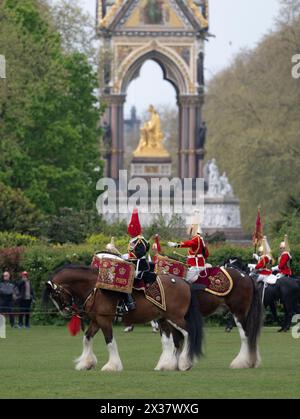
(72, 308)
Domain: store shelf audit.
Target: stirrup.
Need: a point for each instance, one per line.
(130, 306)
(121, 309)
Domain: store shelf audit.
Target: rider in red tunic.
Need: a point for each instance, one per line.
(264, 264)
(284, 265)
(156, 247)
(265, 260)
(197, 254)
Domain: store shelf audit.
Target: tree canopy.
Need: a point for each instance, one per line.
(252, 113)
(49, 116)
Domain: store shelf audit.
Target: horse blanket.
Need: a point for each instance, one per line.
(217, 281)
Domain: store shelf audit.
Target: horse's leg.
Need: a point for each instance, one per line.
(273, 309)
(114, 362)
(248, 319)
(87, 359)
(189, 334)
(168, 359)
(288, 315)
(185, 362)
(242, 360)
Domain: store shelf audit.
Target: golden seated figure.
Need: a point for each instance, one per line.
(150, 144)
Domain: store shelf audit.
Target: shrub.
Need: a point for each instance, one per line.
(17, 213)
(10, 239)
(11, 258)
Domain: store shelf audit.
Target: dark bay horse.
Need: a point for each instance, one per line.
(286, 290)
(244, 303)
(75, 286)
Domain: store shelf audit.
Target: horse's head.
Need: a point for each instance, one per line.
(61, 298)
(139, 247)
(236, 262)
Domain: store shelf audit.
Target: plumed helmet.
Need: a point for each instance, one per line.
(266, 247)
(134, 226)
(285, 244)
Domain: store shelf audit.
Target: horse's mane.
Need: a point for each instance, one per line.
(59, 268)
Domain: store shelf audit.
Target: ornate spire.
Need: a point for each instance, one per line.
(203, 19)
(105, 19)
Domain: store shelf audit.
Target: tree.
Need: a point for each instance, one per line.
(77, 28)
(48, 112)
(18, 213)
(252, 115)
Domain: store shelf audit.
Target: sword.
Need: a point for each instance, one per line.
(179, 254)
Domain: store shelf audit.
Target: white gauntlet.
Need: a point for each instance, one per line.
(172, 244)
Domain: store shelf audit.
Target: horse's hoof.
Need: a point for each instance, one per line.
(128, 329)
(185, 366)
(112, 368)
(280, 330)
(84, 367)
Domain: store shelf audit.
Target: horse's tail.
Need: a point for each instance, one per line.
(254, 320)
(195, 326)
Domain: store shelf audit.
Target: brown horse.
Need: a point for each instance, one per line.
(244, 302)
(74, 286)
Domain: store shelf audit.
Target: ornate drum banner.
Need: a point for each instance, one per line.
(114, 274)
(166, 265)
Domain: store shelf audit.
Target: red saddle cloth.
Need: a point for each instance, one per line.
(154, 292)
(217, 281)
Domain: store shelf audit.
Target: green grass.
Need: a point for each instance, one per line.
(37, 363)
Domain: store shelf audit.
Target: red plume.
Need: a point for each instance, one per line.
(134, 226)
(157, 242)
(258, 233)
(74, 325)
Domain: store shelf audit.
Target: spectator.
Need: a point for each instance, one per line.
(26, 298)
(7, 293)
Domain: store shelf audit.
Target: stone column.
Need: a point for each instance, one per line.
(115, 118)
(191, 158)
(183, 138)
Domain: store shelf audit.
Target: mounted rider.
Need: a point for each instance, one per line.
(138, 248)
(197, 254)
(264, 262)
(284, 262)
(156, 248)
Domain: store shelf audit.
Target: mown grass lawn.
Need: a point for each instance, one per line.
(37, 363)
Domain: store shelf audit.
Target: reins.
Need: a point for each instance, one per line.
(73, 308)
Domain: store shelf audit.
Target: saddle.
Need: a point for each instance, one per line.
(216, 281)
(154, 292)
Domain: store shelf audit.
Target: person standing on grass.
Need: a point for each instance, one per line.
(26, 298)
(7, 292)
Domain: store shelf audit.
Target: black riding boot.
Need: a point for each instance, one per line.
(129, 302)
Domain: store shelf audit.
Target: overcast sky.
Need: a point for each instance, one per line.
(236, 24)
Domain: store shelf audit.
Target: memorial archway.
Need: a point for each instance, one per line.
(176, 43)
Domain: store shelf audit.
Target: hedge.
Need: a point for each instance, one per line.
(41, 259)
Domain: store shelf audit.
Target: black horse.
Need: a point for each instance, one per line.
(286, 290)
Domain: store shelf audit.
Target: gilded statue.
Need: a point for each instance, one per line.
(150, 144)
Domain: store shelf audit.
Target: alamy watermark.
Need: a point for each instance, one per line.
(156, 196)
(296, 328)
(2, 67)
(296, 67)
(2, 327)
